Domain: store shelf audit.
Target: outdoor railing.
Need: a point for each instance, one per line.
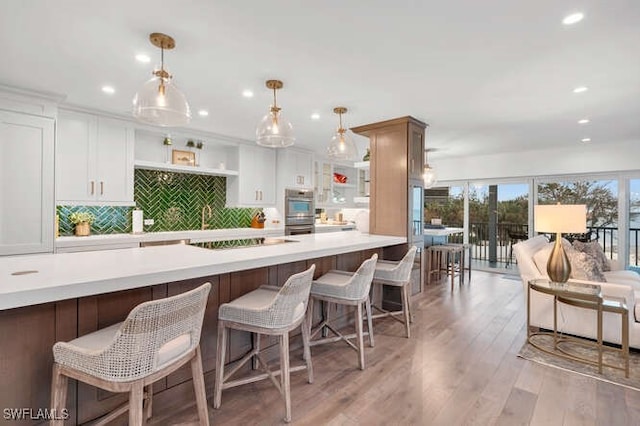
(607, 236)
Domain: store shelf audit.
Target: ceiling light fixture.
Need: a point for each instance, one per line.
(141, 57)
(109, 90)
(315, 116)
(274, 130)
(586, 139)
(580, 89)
(429, 174)
(573, 18)
(342, 146)
(583, 121)
(159, 101)
(203, 113)
(247, 93)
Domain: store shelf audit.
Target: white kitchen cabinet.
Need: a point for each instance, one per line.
(94, 160)
(26, 183)
(295, 169)
(255, 184)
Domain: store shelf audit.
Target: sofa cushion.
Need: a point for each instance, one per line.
(624, 277)
(594, 249)
(583, 266)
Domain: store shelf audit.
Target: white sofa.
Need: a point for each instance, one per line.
(578, 321)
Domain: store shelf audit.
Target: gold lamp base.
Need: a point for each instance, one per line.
(558, 266)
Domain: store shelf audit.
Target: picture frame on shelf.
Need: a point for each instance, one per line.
(183, 158)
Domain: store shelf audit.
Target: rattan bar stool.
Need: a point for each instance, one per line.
(446, 259)
(465, 262)
(268, 310)
(397, 274)
(345, 288)
(155, 339)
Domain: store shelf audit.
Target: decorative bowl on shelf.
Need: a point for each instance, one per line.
(339, 178)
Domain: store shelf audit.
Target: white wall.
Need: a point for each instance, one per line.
(584, 158)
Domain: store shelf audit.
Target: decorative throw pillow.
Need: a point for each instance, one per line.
(585, 267)
(595, 250)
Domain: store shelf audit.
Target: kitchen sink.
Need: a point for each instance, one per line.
(251, 242)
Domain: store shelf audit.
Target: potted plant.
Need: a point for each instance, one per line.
(82, 221)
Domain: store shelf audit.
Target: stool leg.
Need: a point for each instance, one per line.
(284, 366)
(309, 325)
(451, 260)
(220, 356)
(359, 335)
(325, 317)
(306, 349)
(462, 263)
(148, 401)
(405, 307)
(58, 394)
(369, 322)
(136, 395)
(255, 340)
(199, 388)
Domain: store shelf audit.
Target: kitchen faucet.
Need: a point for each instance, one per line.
(205, 208)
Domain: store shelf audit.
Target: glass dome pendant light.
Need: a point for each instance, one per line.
(274, 130)
(159, 101)
(429, 174)
(341, 146)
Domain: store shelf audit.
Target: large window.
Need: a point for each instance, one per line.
(601, 198)
(634, 220)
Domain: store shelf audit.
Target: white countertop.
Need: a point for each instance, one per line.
(69, 275)
(195, 236)
(431, 232)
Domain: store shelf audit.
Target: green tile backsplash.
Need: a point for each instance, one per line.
(173, 200)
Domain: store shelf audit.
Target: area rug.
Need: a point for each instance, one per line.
(611, 375)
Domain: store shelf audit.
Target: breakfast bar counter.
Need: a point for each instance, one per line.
(57, 297)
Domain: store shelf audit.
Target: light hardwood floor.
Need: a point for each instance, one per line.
(459, 368)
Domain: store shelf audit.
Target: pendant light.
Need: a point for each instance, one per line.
(274, 130)
(159, 101)
(429, 174)
(342, 146)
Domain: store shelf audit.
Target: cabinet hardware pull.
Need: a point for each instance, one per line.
(101, 188)
(93, 187)
(256, 195)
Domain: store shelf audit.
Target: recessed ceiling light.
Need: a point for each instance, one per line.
(247, 93)
(586, 139)
(108, 90)
(583, 121)
(203, 113)
(141, 57)
(573, 18)
(580, 89)
(315, 116)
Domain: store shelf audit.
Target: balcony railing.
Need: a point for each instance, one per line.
(607, 236)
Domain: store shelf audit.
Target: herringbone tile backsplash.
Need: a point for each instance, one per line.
(173, 200)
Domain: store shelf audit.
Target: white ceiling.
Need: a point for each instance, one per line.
(488, 76)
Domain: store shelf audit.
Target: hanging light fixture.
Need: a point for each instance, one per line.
(429, 174)
(159, 101)
(341, 146)
(274, 130)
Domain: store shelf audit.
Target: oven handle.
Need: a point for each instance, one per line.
(300, 199)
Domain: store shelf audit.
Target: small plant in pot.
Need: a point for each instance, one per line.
(82, 221)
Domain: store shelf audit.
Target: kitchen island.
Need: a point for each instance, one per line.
(72, 294)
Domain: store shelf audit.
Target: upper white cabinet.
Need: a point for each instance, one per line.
(255, 184)
(295, 169)
(94, 160)
(26, 183)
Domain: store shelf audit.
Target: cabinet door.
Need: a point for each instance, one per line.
(75, 165)
(114, 161)
(294, 169)
(256, 182)
(26, 184)
(415, 151)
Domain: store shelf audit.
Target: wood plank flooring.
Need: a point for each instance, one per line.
(459, 368)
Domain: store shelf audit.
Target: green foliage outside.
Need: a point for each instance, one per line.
(602, 204)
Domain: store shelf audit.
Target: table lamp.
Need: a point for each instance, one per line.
(560, 218)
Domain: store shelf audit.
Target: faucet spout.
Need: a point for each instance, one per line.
(209, 214)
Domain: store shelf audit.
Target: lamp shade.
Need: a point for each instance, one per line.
(429, 176)
(159, 102)
(561, 218)
(275, 131)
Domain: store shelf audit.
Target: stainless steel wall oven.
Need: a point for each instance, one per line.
(299, 212)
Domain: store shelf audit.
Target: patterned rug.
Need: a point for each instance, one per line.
(611, 375)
